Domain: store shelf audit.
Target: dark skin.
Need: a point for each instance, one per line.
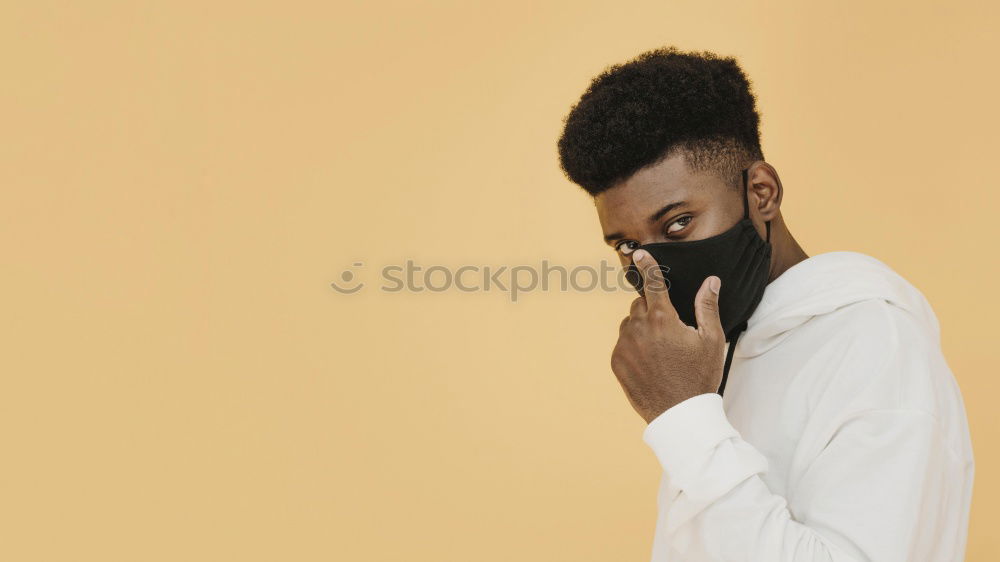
(659, 360)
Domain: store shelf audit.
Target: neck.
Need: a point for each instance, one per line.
(785, 250)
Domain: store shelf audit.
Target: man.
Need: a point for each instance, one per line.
(803, 409)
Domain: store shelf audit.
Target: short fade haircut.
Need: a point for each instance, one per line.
(638, 113)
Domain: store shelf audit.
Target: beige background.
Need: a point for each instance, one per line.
(182, 181)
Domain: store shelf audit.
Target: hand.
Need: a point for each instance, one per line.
(659, 360)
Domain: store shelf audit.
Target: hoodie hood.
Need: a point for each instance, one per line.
(823, 283)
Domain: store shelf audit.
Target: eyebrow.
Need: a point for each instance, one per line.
(652, 218)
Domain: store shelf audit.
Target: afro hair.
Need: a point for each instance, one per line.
(636, 114)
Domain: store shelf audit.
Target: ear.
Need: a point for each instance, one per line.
(764, 191)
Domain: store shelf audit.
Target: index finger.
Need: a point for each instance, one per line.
(655, 286)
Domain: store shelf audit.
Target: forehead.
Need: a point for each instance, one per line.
(647, 191)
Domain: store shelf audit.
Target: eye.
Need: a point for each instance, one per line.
(626, 247)
(683, 221)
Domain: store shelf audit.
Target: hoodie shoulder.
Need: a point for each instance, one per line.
(880, 357)
(875, 355)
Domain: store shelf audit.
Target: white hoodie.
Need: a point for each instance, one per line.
(842, 435)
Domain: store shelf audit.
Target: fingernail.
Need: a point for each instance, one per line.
(714, 283)
(639, 255)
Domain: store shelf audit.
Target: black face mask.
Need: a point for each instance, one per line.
(738, 256)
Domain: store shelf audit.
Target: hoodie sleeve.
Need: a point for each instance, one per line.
(869, 494)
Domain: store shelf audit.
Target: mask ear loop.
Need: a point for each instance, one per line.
(746, 196)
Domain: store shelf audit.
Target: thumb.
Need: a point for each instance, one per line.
(706, 308)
